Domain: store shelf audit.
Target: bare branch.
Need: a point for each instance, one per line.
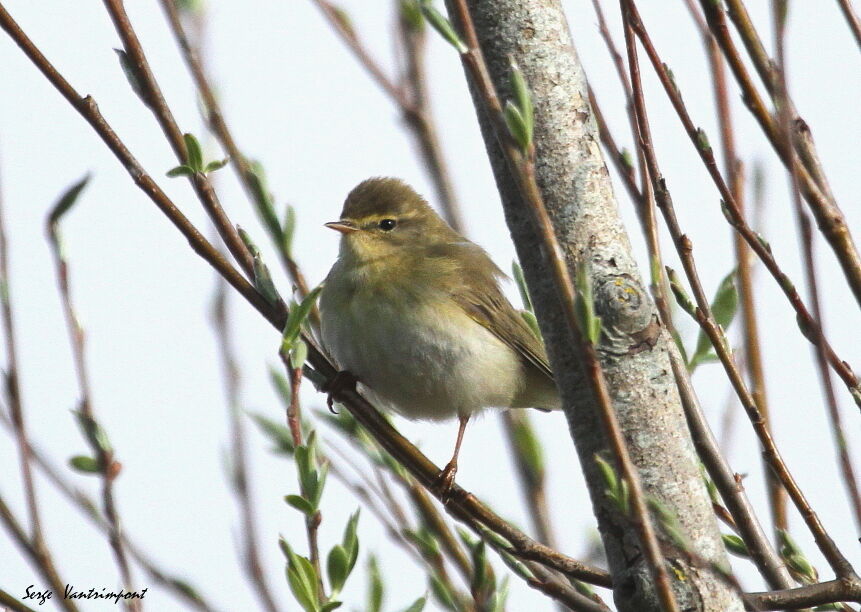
(240, 470)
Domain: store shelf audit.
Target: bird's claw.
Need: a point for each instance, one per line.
(445, 481)
(342, 381)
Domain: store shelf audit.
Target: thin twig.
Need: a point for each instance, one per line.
(809, 595)
(770, 565)
(851, 19)
(438, 526)
(178, 587)
(841, 441)
(157, 104)
(35, 543)
(40, 559)
(812, 180)
(461, 504)
(419, 118)
(835, 558)
(644, 198)
(13, 391)
(109, 467)
(734, 217)
(240, 475)
(533, 482)
(734, 170)
(294, 422)
(218, 125)
(13, 604)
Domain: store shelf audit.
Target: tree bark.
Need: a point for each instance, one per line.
(579, 197)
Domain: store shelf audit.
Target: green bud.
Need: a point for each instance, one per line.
(443, 26)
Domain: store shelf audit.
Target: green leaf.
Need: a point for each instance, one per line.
(182, 170)
(611, 481)
(425, 541)
(723, 306)
(350, 541)
(191, 6)
(300, 503)
(194, 155)
(85, 464)
(302, 579)
(528, 447)
(711, 487)
(281, 384)
(725, 303)
(442, 25)
(278, 433)
(680, 345)
(296, 317)
(289, 230)
(516, 566)
(376, 589)
(500, 596)
(681, 295)
(626, 159)
(669, 523)
(520, 281)
(331, 605)
(299, 354)
(584, 588)
(418, 605)
(131, 75)
(336, 566)
(263, 200)
(735, 545)
(263, 282)
(411, 14)
(482, 578)
(703, 140)
(617, 488)
(523, 101)
(443, 594)
(93, 432)
(517, 126)
(590, 323)
(317, 493)
(248, 241)
(67, 200)
(218, 164)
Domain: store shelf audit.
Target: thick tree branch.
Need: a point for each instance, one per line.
(576, 191)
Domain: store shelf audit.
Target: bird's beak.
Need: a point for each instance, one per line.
(343, 226)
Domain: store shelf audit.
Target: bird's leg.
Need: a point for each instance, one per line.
(341, 381)
(445, 480)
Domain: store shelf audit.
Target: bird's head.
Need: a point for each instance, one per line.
(384, 217)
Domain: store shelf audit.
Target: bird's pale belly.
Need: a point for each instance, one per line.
(429, 362)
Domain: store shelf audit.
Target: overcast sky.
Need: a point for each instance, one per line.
(297, 101)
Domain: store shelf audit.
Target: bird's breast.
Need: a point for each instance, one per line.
(420, 353)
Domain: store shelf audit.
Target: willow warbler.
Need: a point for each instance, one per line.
(413, 311)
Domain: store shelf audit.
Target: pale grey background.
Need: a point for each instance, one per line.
(297, 101)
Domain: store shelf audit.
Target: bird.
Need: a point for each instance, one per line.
(413, 311)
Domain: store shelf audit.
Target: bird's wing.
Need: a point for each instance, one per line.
(478, 294)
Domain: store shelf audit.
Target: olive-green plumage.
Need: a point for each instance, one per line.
(414, 311)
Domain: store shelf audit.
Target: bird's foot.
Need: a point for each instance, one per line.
(342, 381)
(445, 481)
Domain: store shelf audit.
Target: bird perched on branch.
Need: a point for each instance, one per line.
(413, 311)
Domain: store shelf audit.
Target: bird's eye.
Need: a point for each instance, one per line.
(388, 225)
